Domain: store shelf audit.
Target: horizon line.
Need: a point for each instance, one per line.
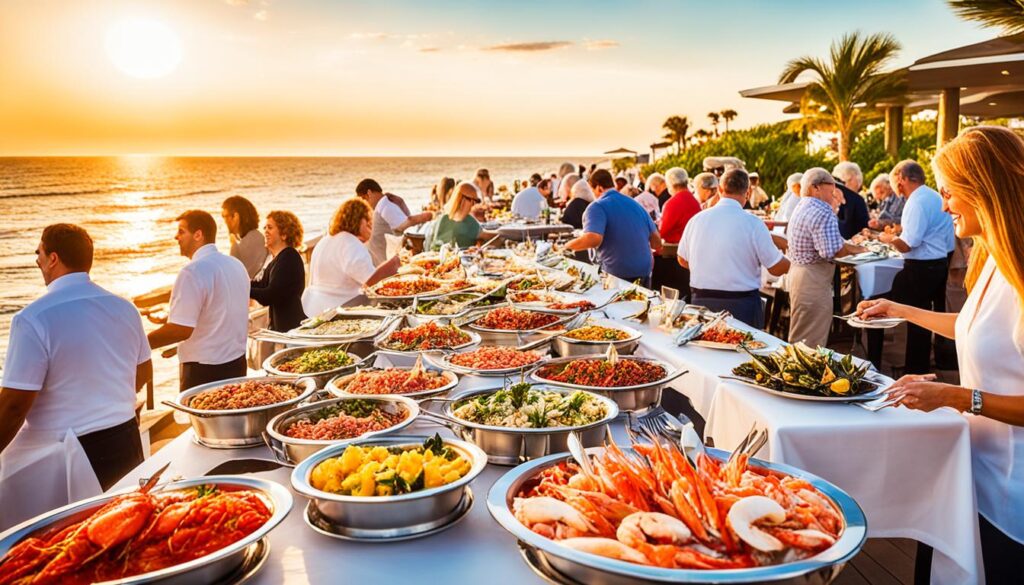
(160, 155)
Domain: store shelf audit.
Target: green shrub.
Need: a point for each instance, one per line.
(775, 151)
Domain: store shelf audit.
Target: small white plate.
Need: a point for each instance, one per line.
(886, 323)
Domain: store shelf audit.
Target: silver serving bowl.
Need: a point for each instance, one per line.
(512, 446)
(211, 568)
(243, 427)
(305, 332)
(279, 357)
(387, 516)
(338, 387)
(378, 342)
(629, 398)
(514, 337)
(290, 451)
(373, 294)
(587, 568)
(568, 347)
(442, 360)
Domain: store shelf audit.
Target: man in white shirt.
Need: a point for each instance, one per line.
(927, 241)
(725, 247)
(790, 199)
(531, 201)
(390, 216)
(649, 198)
(209, 313)
(77, 356)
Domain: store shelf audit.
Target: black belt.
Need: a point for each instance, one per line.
(725, 294)
(935, 262)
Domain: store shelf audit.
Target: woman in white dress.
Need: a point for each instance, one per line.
(981, 174)
(341, 264)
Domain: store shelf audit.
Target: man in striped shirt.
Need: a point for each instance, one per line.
(814, 241)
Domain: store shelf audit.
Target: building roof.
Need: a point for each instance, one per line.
(990, 76)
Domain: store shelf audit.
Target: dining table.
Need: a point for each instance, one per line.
(910, 472)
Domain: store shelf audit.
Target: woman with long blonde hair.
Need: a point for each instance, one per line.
(981, 178)
(457, 225)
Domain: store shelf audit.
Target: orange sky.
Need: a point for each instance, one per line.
(346, 78)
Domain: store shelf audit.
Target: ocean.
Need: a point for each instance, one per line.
(128, 205)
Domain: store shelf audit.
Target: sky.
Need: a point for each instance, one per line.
(410, 77)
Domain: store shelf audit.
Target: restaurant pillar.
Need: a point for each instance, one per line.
(893, 130)
(949, 115)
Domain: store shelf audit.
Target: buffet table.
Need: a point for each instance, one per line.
(901, 466)
(875, 278)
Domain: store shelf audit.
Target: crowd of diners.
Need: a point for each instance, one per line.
(78, 354)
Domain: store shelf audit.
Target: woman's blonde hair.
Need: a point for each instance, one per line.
(455, 202)
(289, 226)
(984, 166)
(349, 215)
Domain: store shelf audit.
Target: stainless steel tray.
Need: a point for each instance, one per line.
(587, 568)
(230, 564)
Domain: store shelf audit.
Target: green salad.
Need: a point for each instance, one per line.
(316, 360)
(523, 407)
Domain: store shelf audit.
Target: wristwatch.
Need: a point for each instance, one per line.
(975, 401)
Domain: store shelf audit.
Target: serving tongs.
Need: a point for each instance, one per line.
(571, 322)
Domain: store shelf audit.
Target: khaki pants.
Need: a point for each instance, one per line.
(810, 302)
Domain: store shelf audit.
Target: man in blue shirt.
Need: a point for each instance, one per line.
(621, 231)
(853, 213)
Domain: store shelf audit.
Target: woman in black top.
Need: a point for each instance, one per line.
(580, 196)
(282, 281)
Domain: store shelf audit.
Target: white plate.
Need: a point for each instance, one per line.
(809, 397)
(729, 347)
(886, 323)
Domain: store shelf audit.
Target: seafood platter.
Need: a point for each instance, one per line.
(797, 371)
(647, 514)
(206, 530)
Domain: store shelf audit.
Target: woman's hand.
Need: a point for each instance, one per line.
(879, 309)
(921, 392)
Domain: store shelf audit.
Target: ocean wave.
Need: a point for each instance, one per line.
(57, 193)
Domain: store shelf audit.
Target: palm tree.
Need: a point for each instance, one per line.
(677, 127)
(728, 116)
(701, 136)
(714, 117)
(845, 89)
(1005, 14)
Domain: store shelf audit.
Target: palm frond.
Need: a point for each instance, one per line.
(1005, 14)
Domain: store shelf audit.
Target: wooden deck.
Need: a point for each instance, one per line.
(885, 561)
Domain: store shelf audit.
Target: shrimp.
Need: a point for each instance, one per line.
(545, 515)
(744, 513)
(605, 547)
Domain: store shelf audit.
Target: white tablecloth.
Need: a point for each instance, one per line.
(875, 278)
(909, 471)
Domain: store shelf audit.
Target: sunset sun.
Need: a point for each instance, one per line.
(145, 49)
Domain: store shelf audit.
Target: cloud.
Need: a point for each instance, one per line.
(530, 47)
(262, 15)
(237, 2)
(430, 50)
(600, 44)
(375, 36)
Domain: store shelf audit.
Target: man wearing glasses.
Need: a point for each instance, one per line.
(814, 242)
(927, 241)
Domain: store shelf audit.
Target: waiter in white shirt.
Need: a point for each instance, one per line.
(927, 241)
(209, 313)
(390, 216)
(725, 247)
(77, 356)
